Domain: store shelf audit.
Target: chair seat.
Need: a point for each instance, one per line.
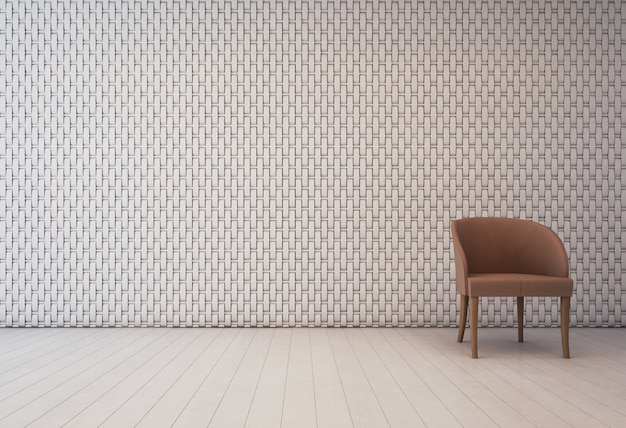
(515, 284)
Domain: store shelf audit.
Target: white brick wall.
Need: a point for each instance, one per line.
(298, 162)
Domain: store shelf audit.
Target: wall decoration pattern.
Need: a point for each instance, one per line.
(297, 163)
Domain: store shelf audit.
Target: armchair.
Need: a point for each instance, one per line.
(509, 257)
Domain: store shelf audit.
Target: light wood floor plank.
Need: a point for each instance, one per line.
(613, 339)
(114, 397)
(424, 362)
(16, 340)
(561, 377)
(173, 400)
(499, 410)
(299, 399)
(43, 352)
(85, 390)
(608, 359)
(362, 401)
(266, 410)
(145, 397)
(393, 401)
(541, 349)
(549, 397)
(32, 395)
(332, 408)
(202, 405)
(56, 365)
(237, 400)
(320, 377)
(494, 376)
(427, 404)
(591, 380)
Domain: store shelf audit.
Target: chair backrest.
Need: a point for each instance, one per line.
(506, 245)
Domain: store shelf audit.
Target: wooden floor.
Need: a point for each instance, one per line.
(309, 377)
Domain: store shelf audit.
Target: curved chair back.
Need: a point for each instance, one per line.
(507, 245)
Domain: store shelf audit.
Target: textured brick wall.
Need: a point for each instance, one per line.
(298, 162)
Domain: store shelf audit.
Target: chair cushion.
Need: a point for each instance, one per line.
(513, 284)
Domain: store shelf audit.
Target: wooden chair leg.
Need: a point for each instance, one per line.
(474, 325)
(565, 301)
(520, 319)
(463, 320)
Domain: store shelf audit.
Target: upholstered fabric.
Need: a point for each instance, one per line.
(513, 284)
(505, 245)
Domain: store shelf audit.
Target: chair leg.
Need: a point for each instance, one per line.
(565, 301)
(520, 319)
(463, 320)
(474, 325)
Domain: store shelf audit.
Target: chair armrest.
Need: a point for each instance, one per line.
(460, 261)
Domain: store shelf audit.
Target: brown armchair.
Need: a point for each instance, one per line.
(509, 257)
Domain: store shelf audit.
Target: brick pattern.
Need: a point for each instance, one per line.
(287, 163)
